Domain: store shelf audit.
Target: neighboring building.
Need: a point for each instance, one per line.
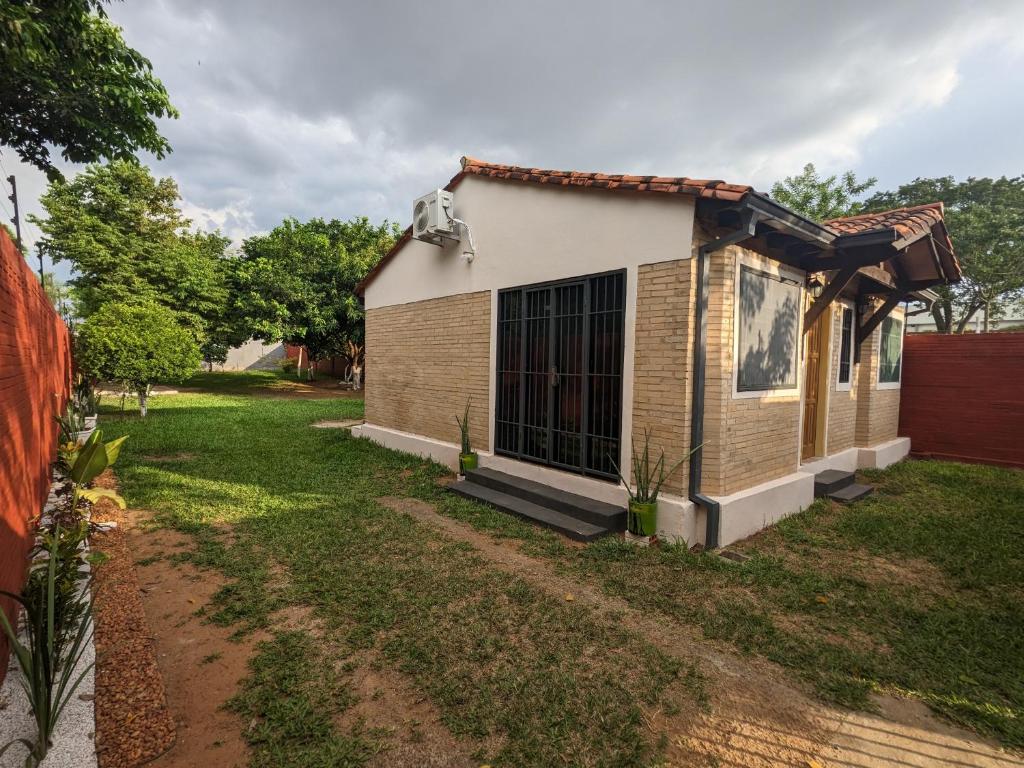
(596, 307)
(925, 323)
(253, 355)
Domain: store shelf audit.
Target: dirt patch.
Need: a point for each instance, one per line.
(200, 663)
(169, 457)
(326, 424)
(413, 732)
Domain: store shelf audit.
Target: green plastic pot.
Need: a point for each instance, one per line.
(468, 461)
(643, 518)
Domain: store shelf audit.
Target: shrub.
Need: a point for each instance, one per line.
(137, 345)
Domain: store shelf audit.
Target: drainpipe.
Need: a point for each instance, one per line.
(748, 225)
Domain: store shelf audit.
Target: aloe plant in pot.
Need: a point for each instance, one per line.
(467, 458)
(642, 512)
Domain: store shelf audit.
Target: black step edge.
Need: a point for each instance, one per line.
(592, 510)
(850, 493)
(832, 480)
(574, 528)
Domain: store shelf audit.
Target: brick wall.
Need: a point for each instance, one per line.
(423, 360)
(35, 368)
(842, 403)
(963, 397)
(662, 381)
(747, 440)
(878, 410)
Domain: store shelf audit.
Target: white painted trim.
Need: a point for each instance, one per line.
(492, 378)
(628, 354)
(677, 517)
(756, 261)
(884, 454)
(879, 384)
(847, 461)
(839, 385)
(748, 511)
(406, 442)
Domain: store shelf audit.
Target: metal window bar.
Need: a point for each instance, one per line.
(560, 403)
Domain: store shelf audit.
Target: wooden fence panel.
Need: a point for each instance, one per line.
(963, 397)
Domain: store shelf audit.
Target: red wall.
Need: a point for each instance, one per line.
(963, 397)
(331, 366)
(35, 373)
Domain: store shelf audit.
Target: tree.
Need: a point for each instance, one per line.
(985, 218)
(123, 232)
(297, 282)
(68, 79)
(136, 345)
(60, 296)
(820, 199)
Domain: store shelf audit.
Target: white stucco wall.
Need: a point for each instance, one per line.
(525, 234)
(254, 355)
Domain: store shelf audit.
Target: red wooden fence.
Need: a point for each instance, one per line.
(35, 373)
(963, 397)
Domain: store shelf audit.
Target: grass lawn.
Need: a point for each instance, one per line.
(918, 591)
(528, 678)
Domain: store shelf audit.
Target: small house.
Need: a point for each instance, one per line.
(576, 312)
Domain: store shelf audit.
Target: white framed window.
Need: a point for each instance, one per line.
(767, 322)
(847, 338)
(890, 353)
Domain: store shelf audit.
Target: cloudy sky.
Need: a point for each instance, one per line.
(318, 108)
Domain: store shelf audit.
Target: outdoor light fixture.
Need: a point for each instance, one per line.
(815, 284)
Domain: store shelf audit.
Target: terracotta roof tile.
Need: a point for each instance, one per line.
(673, 185)
(907, 222)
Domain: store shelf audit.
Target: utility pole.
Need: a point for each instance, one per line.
(13, 197)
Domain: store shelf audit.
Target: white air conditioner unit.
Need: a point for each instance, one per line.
(433, 217)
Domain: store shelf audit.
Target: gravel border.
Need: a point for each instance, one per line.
(133, 722)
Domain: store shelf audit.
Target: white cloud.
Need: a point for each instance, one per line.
(315, 109)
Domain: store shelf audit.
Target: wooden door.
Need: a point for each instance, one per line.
(813, 395)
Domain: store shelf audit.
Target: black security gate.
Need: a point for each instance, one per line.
(559, 373)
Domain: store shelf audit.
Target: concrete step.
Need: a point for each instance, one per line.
(599, 513)
(832, 480)
(852, 492)
(573, 527)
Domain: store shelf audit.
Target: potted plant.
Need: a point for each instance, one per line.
(642, 512)
(467, 458)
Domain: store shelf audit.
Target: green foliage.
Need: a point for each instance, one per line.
(122, 231)
(297, 283)
(648, 477)
(136, 345)
(68, 79)
(985, 218)
(58, 625)
(464, 431)
(819, 198)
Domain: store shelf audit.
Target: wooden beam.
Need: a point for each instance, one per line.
(828, 295)
(865, 330)
(841, 259)
(880, 276)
